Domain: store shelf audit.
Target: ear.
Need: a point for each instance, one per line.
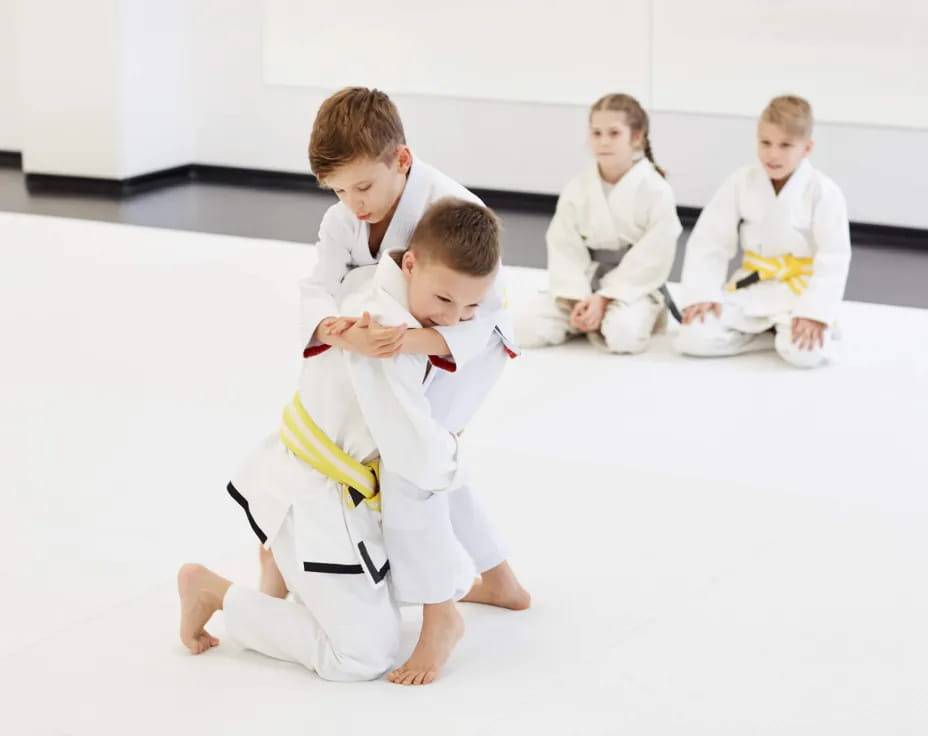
(403, 159)
(408, 262)
(638, 139)
(810, 144)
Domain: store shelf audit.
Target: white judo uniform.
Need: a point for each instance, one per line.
(618, 241)
(343, 621)
(415, 519)
(797, 241)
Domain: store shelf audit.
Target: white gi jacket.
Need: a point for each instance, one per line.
(343, 245)
(368, 407)
(808, 219)
(639, 211)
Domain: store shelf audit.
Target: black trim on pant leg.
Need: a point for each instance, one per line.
(333, 568)
(243, 502)
(376, 575)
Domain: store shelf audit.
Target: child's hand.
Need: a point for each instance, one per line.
(331, 328)
(335, 326)
(591, 318)
(578, 315)
(700, 310)
(807, 333)
(367, 337)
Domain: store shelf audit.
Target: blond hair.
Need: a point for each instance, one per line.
(635, 117)
(463, 236)
(791, 113)
(354, 123)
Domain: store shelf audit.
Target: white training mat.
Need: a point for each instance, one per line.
(714, 546)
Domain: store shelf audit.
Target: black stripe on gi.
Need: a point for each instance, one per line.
(243, 502)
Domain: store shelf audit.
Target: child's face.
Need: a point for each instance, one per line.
(438, 295)
(371, 188)
(612, 142)
(778, 151)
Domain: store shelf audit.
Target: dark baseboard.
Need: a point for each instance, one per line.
(262, 178)
(542, 204)
(865, 233)
(11, 160)
(530, 202)
(109, 188)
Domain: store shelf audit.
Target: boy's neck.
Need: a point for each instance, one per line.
(614, 174)
(378, 230)
(778, 184)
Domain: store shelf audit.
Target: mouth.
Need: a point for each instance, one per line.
(365, 217)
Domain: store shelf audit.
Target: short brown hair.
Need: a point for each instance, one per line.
(463, 236)
(792, 113)
(353, 123)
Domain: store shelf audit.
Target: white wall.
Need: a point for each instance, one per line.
(533, 147)
(10, 133)
(712, 56)
(155, 93)
(67, 56)
(853, 58)
(479, 51)
(105, 90)
(116, 88)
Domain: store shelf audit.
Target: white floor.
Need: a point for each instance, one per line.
(714, 547)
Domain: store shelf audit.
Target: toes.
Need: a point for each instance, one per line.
(424, 677)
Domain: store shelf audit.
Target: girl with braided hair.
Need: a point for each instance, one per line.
(611, 243)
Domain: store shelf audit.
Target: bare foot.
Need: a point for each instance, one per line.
(271, 582)
(201, 592)
(442, 629)
(499, 587)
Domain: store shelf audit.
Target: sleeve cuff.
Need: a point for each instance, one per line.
(445, 364)
(312, 350)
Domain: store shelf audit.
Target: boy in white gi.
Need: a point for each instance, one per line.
(791, 222)
(311, 491)
(611, 243)
(358, 149)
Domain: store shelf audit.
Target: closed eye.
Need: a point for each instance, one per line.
(445, 299)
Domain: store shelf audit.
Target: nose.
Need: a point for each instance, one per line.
(355, 203)
(449, 316)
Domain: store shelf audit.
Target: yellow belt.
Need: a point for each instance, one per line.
(793, 271)
(359, 481)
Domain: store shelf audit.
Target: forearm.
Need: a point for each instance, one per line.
(425, 341)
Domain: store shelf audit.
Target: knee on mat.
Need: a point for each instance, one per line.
(626, 340)
(695, 339)
(534, 335)
(358, 664)
(624, 332)
(794, 355)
